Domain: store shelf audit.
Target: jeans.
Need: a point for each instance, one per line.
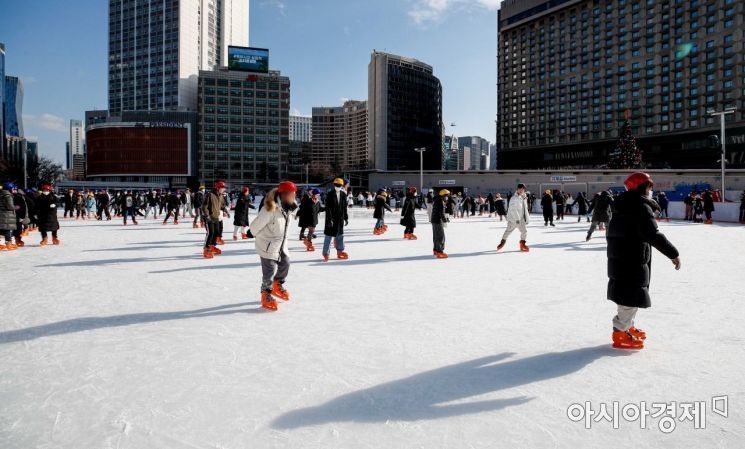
(438, 237)
(338, 241)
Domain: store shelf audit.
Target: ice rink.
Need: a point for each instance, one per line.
(125, 337)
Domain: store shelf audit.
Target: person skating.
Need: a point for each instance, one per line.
(379, 214)
(601, 209)
(270, 228)
(499, 206)
(688, 201)
(518, 216)
(22, 215)
(212, 210)
(307, 215)
(547, 203)
(129, 205)
(708, 206)
(582, 207)
(103, 205)
(240, 214)
(173, 206)
(7, 216)
(742, 207)
(408, 217)
(80, 211)
(198, 202)
(439, 220)
(336, 218)
(69, 201)
(664, 204)
(631, 234)
(560, 202)
(46, 212)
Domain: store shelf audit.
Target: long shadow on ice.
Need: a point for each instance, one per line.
(425, 395)
(92, 323)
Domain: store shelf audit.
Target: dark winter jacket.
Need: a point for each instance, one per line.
(407, 212)
(19, 200)
(581, 204)
(438, 211)
(46, 211)
(336, 213)
(7, 211)
(631, 234)
(547, 203)
(242, 205)
(499, 206)
(199, 199)
(308, 212)
(380, 207)
(601, 208)
(173, 202)
(708, 202)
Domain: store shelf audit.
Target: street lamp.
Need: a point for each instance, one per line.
(421, 167)
(729, 110)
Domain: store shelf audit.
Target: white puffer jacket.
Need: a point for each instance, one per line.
(270, 229)
(518, 210)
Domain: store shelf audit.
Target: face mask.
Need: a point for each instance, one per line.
(651, 193)
(337, 188)
(45, 193)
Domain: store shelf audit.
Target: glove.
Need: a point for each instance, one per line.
(346, 222)
(52, 206)
(676, 262)
(249, 235)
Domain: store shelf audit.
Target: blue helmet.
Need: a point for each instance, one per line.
(9, 186)
(315, 191)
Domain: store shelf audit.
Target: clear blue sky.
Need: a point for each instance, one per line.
(58, 49)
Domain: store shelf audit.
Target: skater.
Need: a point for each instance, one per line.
(560, 202)
(46, 209)
(69, 203)
(500, 208)
(439, 221)
(698, 208)
(742, 207)
(518, 216)
(198, 202)
(708, 206)
(582, 207)
(7, 216)
(240, 219)
(22, 215)
(688, 201)
(102, 205)
(601, 213)
(129, 205)
(173, 205)
(547, 203)
(336, 219)
(152, 201)
(631, 232)
(379, 214)
(663, 203)
(269, 228)
(212, 211)
(80, 211)
(307, 216)
(408, 218)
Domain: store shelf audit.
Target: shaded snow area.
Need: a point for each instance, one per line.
(125, 337)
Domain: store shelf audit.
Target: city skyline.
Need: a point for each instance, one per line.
(58, 91)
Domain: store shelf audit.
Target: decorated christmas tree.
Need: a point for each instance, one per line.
(626, 154)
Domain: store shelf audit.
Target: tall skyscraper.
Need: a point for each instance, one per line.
(404, 113)
(478, 147)
(158, 47)
(2, 98)
(568, 71)
(301, 128)
(76, 158)
(13, 107)
(340, 138)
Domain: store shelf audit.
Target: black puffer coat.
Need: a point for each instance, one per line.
(407, 212)
(7, 211)
(632, 233)
(307, 214)
(242, 205)
(46, 211)
(601, 208)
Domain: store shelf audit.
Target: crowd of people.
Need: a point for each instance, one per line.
(629, 218)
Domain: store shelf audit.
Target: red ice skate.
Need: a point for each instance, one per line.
(55, 241)
(220, 241)
(523, 247)
(216, 251)
(207, 253)
(501, 245)
(624, 340)
(279, 291)
(441, 255)
(267, 301)
(342, 255)
(638, 333)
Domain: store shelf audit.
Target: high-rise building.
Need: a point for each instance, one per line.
(13, 107)
(157, 48)
(569, 69)
(492, 157)
(76, 156)
(478, 147)
(301, 128)
(340, 138)
(404, 113)
(450, 153)
(243, 133)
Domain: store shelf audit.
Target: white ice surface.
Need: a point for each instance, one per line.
(124, 337)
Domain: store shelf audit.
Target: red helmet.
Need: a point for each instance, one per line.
(244, 189)
(286, 186)
(412, 189)
(46, 187)
(637, 179)
(219, 184)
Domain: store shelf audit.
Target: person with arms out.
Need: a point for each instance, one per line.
(518, 217)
